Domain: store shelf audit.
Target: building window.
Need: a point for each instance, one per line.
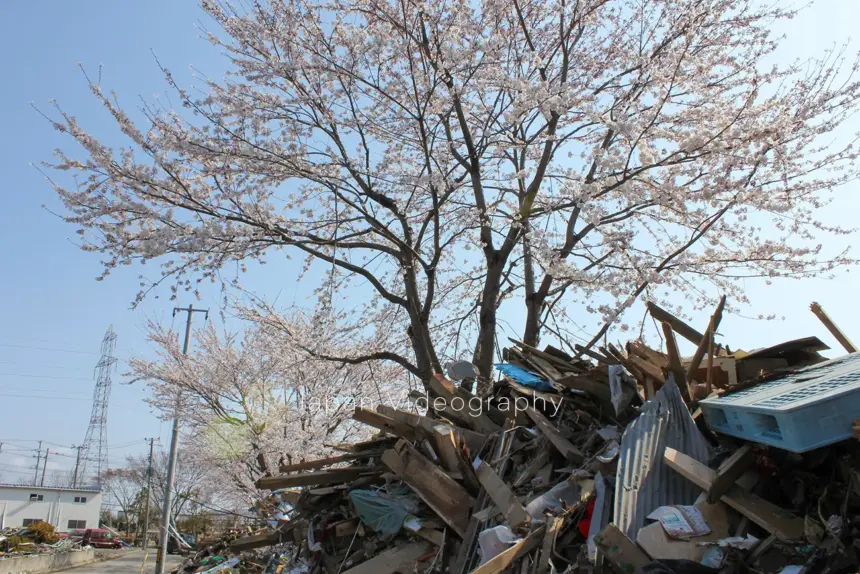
(77, 524)
(29, 521)
(34, 496)
(81, 499)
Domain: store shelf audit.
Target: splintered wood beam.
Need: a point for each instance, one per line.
(315, 478)
(554, 525)
(555, 437)
(674, 356)
(729, 471)
(778, 521)
(441, 493)
(648, 368)
(595, 355)
(384, 423)
(647, 353)
(678, 325)
(502, 496)
(323, 462)
(713, 325)
(831, 326)
(397, 559)
(502, 561)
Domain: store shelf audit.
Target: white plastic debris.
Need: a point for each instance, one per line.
(562, 494)
(494, 541)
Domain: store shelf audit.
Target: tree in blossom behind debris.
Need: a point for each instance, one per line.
(253, 400)
(441, 159)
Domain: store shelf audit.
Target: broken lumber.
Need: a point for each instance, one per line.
(555, 437)
(729, 471)
(502, 561)
(384, 423)
(678, 325)
(441, 493)
(323, 462)
(779, 522)
(831, 326)
(502, 496)
(398, 559)
(713, 325)
(315, 478)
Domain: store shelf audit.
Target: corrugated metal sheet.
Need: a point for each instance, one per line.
(644, 482)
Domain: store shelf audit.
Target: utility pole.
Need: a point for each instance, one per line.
(38, 460)
(148, 490)
(77, 465)
(174, 450)
(45, 466)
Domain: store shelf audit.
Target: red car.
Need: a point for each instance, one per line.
(100, 538)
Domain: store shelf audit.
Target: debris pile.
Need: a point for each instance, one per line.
(631, 460)
(37, 538)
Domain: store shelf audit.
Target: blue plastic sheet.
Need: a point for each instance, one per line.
(524, 377)
(383, 512)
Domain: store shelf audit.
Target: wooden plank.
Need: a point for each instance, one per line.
(588, 384)
(831, 326)
(384, 423)
(620, 551)
(561, 444)
(771, 517)
(645, 352)
(649, 368)
(675, 367)
(502, 496)
(554, 525)
(729, 471)
(442, 387)
(323, 462)
(713, 325)
(556, 362)
(399, 559)
(315, 478)
(445, 445)
(442, 493)
(380, 443)
(257, 541)
(474, 440)
(595, 355)
(677, 324)
(502, 561)
(536, 463)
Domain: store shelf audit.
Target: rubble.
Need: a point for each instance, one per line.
(582, 463)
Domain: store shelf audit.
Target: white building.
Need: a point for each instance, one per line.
(65, 508)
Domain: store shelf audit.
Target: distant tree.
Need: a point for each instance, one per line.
(123, 486)
(255, 399)
(189, 480)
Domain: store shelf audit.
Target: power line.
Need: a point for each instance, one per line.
(48, 349)
(45, 377)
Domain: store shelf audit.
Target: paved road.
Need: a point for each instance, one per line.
(128, 564)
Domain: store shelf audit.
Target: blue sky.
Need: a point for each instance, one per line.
(53, 314)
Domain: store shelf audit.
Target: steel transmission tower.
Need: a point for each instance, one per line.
(93, 455)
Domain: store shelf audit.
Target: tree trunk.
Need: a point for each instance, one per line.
(485, 346)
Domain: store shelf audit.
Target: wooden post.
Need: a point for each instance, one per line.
(831, 326)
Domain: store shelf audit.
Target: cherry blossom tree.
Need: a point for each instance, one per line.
(434, 161)
(252, 400)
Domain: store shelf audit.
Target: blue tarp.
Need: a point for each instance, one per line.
(524, 377)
